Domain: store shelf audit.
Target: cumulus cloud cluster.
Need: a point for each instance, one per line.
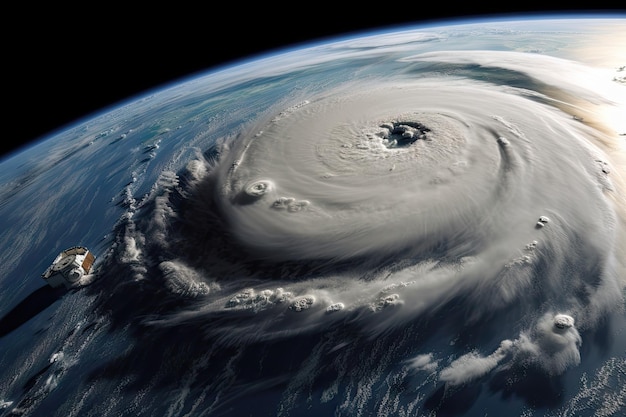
(552, 346)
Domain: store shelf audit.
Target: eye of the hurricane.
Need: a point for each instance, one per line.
(401, 134)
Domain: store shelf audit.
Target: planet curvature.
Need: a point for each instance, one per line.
(429, 221)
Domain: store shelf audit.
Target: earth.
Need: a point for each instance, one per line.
(424, 222)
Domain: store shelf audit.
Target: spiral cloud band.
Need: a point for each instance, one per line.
(352, 175)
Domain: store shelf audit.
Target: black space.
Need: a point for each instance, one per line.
(62, 64)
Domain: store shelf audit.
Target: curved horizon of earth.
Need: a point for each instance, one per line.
(420, 222)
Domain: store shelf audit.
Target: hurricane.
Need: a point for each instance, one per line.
(394, 243)
(364, 216)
